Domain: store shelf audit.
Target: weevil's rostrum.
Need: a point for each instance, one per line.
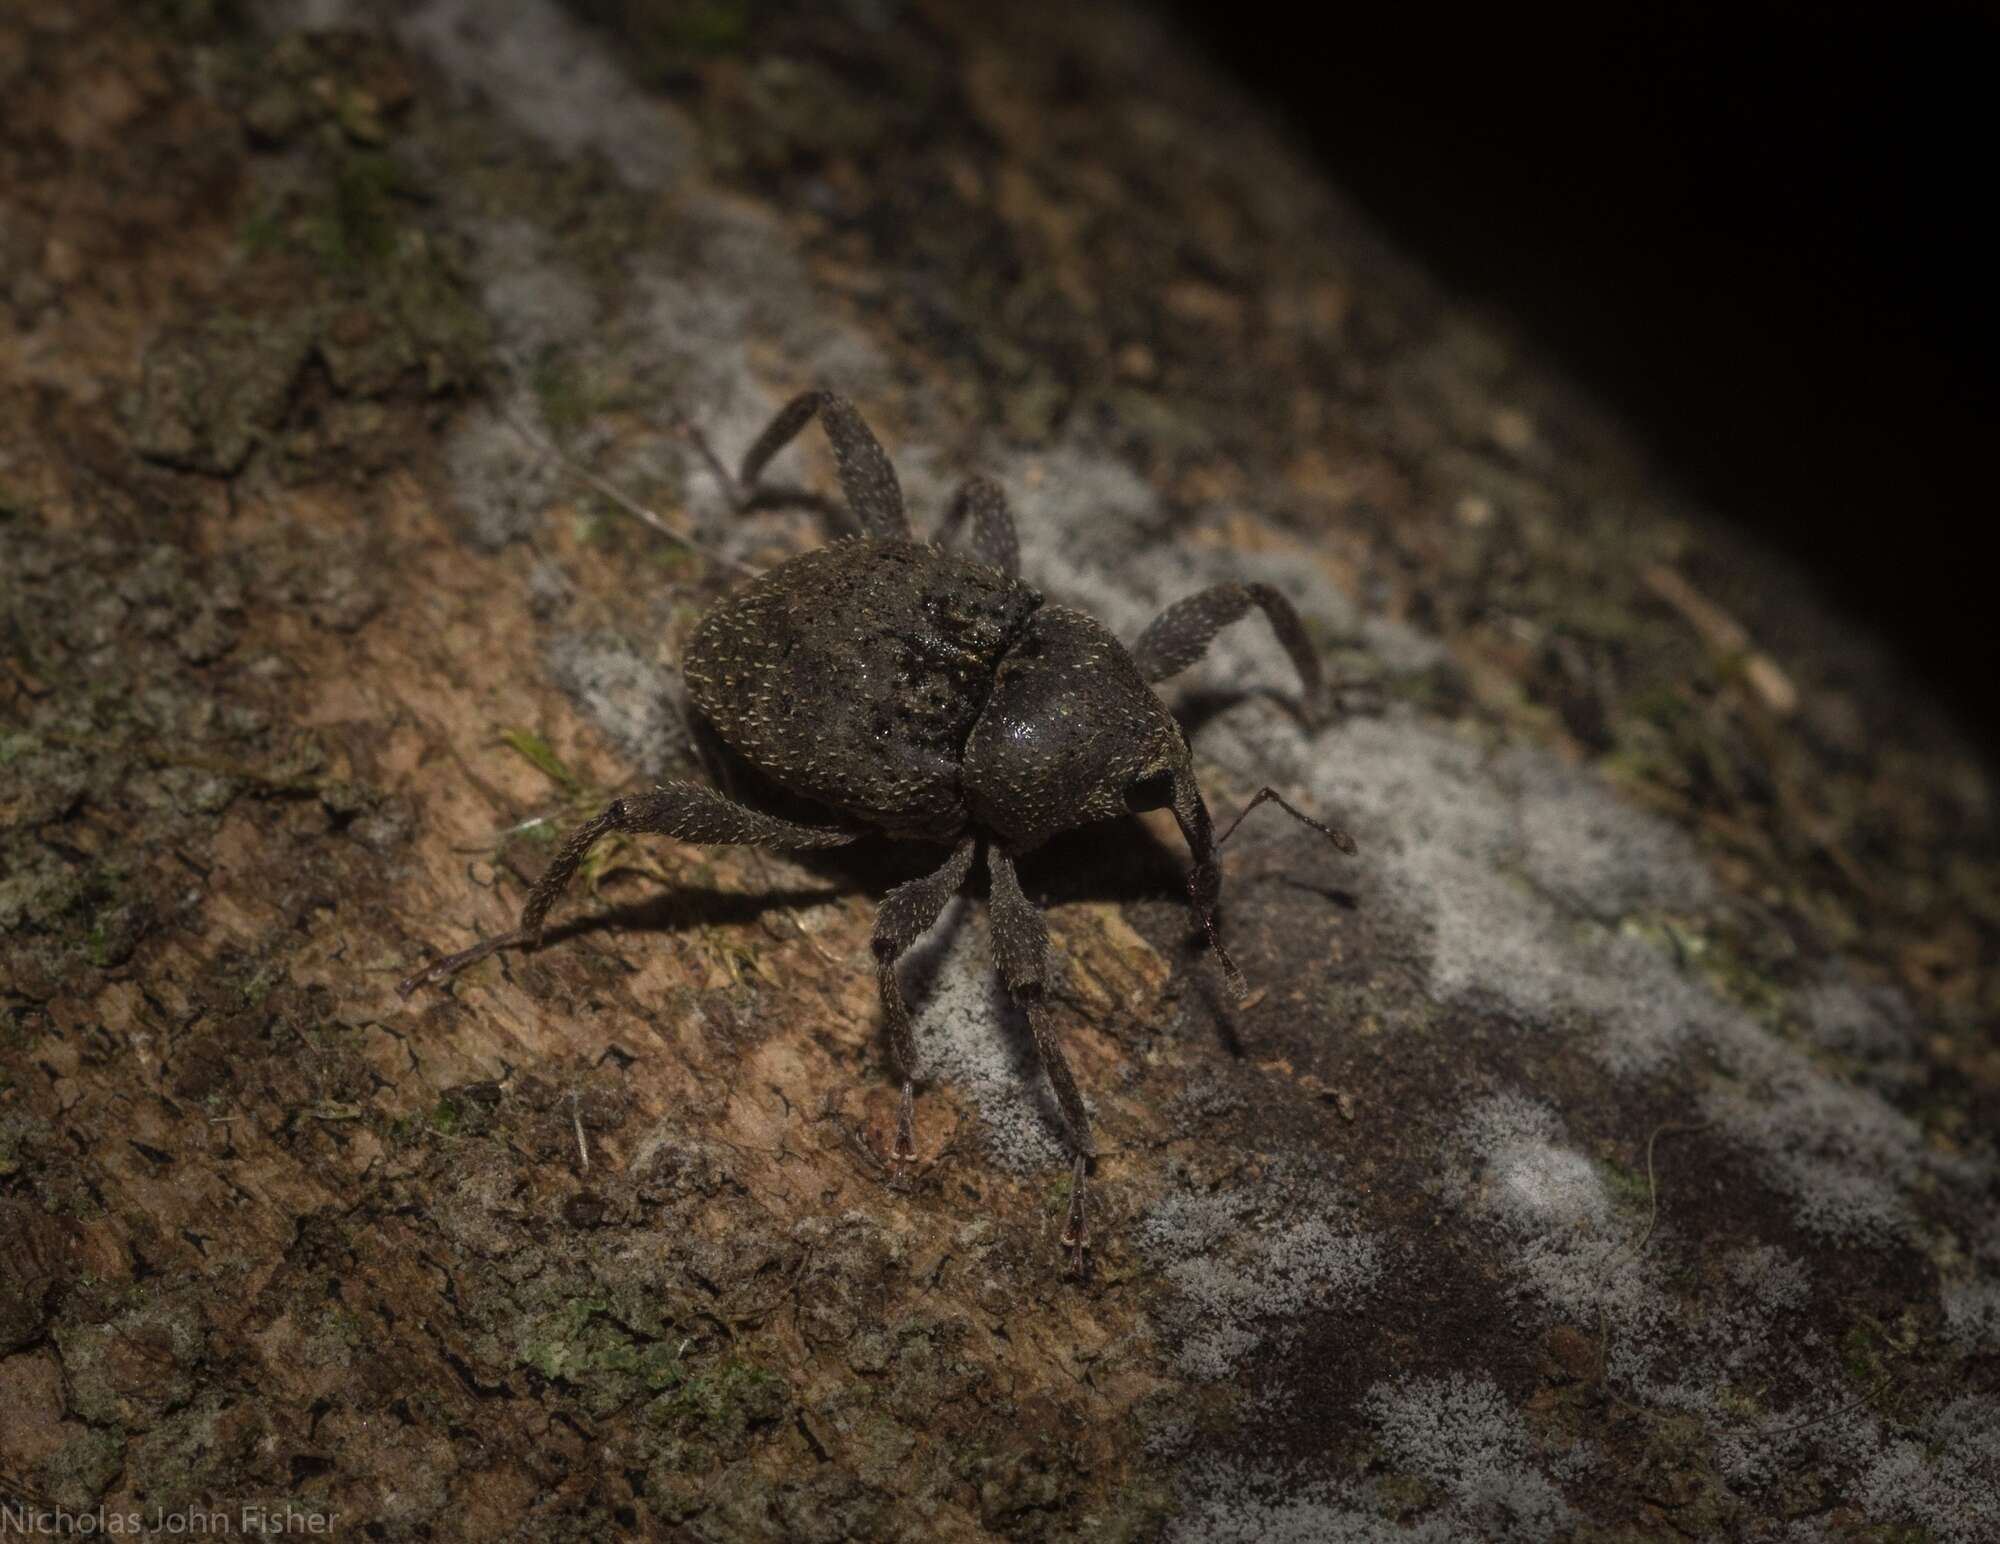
(910, 689)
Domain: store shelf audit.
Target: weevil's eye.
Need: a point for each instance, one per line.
(1154, 792)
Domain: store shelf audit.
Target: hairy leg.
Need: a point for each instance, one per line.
(905, 915)
(993, 539)
(867, 480)
(1021, 948)
(684, 810)
(1181, 634)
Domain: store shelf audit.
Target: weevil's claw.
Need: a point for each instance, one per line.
(1076, 1239)
(443, 970)
(430, 975)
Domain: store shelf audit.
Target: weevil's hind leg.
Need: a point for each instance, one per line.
(867, 480)
(905, 915)
(687, 811)
(993, 539)
(1021, 947)
(1181, 634)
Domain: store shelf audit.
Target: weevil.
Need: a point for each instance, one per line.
(923, 691)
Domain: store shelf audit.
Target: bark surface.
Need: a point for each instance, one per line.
(1604, 1152)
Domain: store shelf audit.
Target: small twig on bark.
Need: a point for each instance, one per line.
(1726, 636)
(615, 494)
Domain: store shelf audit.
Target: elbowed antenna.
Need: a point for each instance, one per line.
(1333, 834)
(1205, 879)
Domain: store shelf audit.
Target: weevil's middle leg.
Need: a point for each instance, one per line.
(1021, 946)
(905, 915)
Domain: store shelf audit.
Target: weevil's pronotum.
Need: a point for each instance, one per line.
(926, 693)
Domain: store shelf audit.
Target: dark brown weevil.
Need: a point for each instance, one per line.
(932, 696)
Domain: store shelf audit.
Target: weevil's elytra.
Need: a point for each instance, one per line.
(930, 695)
(854, 674)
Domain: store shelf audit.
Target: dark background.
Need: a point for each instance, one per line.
(1750, 228)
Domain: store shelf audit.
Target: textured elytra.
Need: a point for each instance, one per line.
(853, 675)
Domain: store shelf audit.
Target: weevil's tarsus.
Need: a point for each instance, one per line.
(452, 964)
(905, 1149)
(1076, 1226)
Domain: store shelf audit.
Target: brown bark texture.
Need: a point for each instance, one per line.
(1604, 1152)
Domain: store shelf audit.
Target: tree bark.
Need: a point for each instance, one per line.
(1606, 1147)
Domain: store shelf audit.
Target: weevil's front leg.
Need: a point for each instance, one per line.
(1021, 948)
(684, 810)
(905, 915)
(1181, 634)
(993, 539)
